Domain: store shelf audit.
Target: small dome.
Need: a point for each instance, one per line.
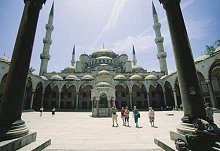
(35, 73)
(56, 77)
(217, 49)
(201, 58)
(103, 57)
(103, 84)
(87, 77)
(137, 68)
(135, 77)
(44, 78)
(103, 72)
(151, 77)
(69, 68)
(71, 77)
(163, 77)
(120, 77)
(5, 59)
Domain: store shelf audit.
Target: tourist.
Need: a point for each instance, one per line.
(114, 116)
(122, 115)
(136, 116)
(209, 113)
(53, 112)
(151, 116)
(126, 114)
(41, 111)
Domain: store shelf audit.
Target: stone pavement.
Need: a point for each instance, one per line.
(80, 131)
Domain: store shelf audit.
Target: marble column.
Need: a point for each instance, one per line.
(42, 98)
(165, 99)
(77, 100)
(109, 107)
(130, 99)
(32, 99)
(212, 98)
(12, 126)
(193, 105)
(175, 99)
(148, 99)
(59, 100)
(97, 106)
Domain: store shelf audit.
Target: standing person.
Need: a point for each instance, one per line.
(114, 116)
(123, 115)
(41, 111)
(151, 115)
(53, 112)
(209, 113)
(136, 116)
(126, 113)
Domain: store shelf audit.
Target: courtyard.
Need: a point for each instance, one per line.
(80, 131)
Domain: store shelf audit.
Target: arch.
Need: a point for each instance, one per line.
(169, 95)
(85, 96)
(214, 76)
(121, 95)
(68, 97)
(27, 94)
(103, 101)
(51, 96)
(178, 95)
(2, 87)
(38, 97)
(139, 96)
(159, 96)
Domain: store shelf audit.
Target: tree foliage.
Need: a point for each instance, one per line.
(211, 48)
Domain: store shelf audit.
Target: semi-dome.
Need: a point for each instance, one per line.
(103, 72)
(103, 57)
(103, 84)
(103, 52)
(72, 77)
(201, 58)
(44, 78)
(151, 77)
(56, 77)
(120, 77)
(136, 77)
(87, 77)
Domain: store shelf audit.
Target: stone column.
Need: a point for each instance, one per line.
(97, 106)
(59, 100)
(175, 99)
(165, 99)
(12, 126)
(212, 98)
(77, 100)
(189, 86)
(148, 99)
(109, 107)
(42, 98)
(130, 99)
(32, 99)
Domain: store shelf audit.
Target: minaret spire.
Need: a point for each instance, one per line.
(161, 55)
(45, 56)
(134, 57)
(73, 57)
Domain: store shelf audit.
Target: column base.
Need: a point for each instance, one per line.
(12, 130)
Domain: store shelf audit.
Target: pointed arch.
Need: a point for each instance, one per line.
(122, 95)
(159, 96)
(68, 97)
(139, 96)
(2, 87)
(27, 94)
(85, 96)
(169, 95)
(38, 97)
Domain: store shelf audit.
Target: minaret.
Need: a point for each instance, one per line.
(161, 55)
(134, 61)
(73, 57)
(45, 56)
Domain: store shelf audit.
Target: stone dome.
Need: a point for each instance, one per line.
(103, 52)
(217, 49)
(5, 59)
(103, 57)
(56, 77)
(71, 77)
(136, 77)
(163, 77)
(201, 58)
(151, 77)
(103, 84)
(35, 73)
(87, 77)
(120, 77)
(137, 68)
(103, 72)
(44, 78)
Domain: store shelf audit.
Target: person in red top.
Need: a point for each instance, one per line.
(123, 115)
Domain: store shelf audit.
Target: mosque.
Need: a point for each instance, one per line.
(97, 81)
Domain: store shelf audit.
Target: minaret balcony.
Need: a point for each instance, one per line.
(49, 27)
(158, 39)
(44, 56)
(47, 40)
(161, 55)
(156, 26)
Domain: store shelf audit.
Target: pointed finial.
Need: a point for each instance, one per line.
(103, 46)
(133, 50)
(51, 10)
(153, 9)
(73, 50)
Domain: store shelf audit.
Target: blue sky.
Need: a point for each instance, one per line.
(117, 23)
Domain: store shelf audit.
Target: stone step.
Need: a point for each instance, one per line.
(216, 146)
(165, 143)
(18, 143)
(38, 145)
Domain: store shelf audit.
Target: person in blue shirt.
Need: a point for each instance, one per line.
(136, 116)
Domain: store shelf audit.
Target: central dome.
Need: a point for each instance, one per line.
(103, 52)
